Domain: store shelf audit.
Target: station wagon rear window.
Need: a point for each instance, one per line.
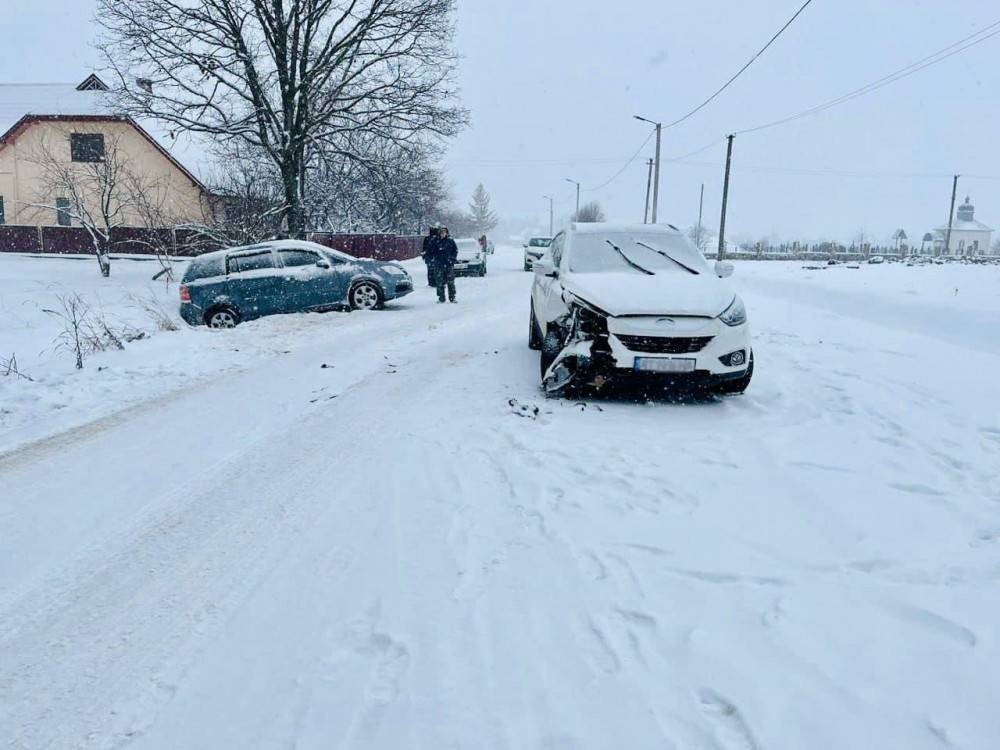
(251, 262)
(204, 269)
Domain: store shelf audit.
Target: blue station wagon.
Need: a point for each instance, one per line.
(223, 288)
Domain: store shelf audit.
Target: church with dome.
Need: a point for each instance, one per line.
(968, 236)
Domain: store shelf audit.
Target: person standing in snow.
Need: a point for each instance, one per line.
(432, 236)
(442, 254)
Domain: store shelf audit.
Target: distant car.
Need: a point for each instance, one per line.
(534, 250)
(876, 259)
(471, 258)
(224, 288)
(637, 303)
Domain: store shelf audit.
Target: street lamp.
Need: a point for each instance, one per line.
(577, 194)
(551, 210)
(656, 177)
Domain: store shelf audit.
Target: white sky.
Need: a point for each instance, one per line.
(552, 87)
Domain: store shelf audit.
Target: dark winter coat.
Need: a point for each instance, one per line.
(441, 253)
(427, 243)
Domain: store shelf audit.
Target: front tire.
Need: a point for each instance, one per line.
(222, 317)
(736, 387)
(365, 295)
(534, 334)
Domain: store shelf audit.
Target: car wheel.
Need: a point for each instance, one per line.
(365, 295)
(482, 271)
(551, 346)
(735, 387)
(534, 335)
(222, 317)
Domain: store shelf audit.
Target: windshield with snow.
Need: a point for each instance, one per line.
(540, 242)
(653, 253)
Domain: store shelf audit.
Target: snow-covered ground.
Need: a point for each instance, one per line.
(249, 549)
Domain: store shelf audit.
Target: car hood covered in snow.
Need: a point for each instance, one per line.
(663, 294)
(468, 249)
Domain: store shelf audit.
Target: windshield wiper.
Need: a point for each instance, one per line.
(628, 260)
(668, 256)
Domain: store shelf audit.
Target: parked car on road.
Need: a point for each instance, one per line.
(535, 249)
(223, 288)
(639, 304)
(471, 258)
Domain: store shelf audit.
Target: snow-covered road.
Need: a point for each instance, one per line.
(381, 553)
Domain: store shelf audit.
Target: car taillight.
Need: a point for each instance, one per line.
(185, 294)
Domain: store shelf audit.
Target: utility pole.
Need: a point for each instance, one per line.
(551, 203)
(656, 176)
(656, 168)
(577, 195)
(649, 185)
(725, 199)
(951, 214)
(701, 205)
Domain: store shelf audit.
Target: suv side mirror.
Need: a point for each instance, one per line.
(545, 268)
(724, 269)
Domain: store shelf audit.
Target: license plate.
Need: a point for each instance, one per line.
(662, 364)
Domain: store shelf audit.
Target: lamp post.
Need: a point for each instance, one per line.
(551, 210)
(656, 169)
(577, 194)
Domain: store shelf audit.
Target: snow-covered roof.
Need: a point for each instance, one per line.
(20, 99)
(961, 225)
(610, 228)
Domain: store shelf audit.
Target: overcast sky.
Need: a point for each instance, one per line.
(553, 85)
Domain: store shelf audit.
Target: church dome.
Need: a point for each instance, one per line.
(966, 212)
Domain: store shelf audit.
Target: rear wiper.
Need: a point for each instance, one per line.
(628, 260)
(668, 256)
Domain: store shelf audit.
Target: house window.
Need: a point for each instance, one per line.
(86, 146)
(63, 218)
(3, 219)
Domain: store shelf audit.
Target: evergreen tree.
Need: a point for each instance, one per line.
(483, 217)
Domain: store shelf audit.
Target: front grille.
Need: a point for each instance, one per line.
(660, 345)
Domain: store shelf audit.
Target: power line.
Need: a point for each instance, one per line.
(621, 171)
(822, 172)
(705, 103)
(740, 72)
(940, 56)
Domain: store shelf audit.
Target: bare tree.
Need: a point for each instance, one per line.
(483, 215)
(393, 188)
(589, 213)
(96, 193)
(247, 202)
(291, 78)
(701, 236)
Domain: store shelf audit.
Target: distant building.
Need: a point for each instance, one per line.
(968, 236)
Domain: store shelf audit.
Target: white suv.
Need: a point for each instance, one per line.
(611, 303)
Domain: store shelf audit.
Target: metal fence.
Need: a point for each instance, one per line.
(185, 242)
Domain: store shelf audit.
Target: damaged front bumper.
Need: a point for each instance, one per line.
(602, 350)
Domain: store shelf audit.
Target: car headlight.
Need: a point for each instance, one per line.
(394, 270)
(735, 314)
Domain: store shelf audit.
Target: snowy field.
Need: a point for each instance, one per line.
(333, 531)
